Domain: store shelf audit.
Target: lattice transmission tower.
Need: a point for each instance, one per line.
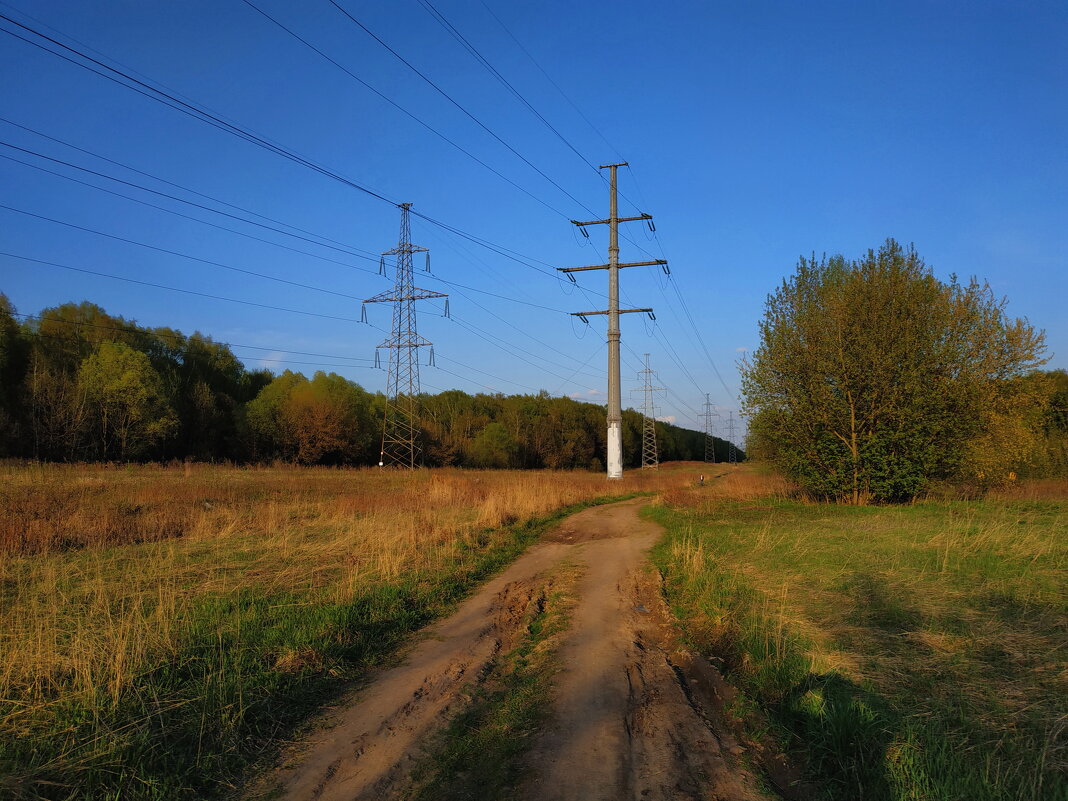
(732, 452)
(650, 458)
(710, 435)
(400, 424)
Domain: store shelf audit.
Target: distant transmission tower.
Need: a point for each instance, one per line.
(400, 426)
(732, 452)
(650, 458)
(710, 438)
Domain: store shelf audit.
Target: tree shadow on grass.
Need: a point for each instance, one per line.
(844, 731)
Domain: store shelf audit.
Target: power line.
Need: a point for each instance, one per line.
(176, 337)
(216, 121)
(496, 342)
(520, 330)
(180, 254)
(344, 248)
(556, 86)
(184, 216)
(167, 99)
(399, 107)
(232, 230)
(177, 289)
(466, 44)
(449, 97)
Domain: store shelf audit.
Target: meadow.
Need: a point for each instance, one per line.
(163, 628)
(915, 652)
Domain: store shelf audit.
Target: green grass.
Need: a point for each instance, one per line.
(250, 666)
(913, 652)
(478, 755)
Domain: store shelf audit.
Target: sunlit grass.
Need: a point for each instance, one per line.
(162, 626)
(914, 652)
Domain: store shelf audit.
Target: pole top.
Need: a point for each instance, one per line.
(620, 164)
(404, 205)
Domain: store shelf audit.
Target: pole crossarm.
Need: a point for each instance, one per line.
(607, 311)
(618, 220)
(654, 263)
(391, 296)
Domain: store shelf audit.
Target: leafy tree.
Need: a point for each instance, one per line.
(327, 419)
(873, 377)
(14, 357)
(493, 447)
(124, 399)
(266, 421)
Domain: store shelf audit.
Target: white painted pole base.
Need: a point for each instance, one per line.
(615, 450)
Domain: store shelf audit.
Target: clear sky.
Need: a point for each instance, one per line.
(756, 132)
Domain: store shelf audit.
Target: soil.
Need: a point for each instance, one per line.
(633, 717)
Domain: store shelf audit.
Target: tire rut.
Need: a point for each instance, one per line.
(633, 716)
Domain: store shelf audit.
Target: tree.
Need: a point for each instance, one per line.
(326, 419)
(493, 447)
(14, 352)
(873, 377)
(125, 403)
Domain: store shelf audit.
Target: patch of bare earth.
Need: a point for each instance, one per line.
(633, 717)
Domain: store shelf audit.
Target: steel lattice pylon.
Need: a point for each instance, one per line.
(710, 438)
(732, 452)
(400, 424)
(650, 457)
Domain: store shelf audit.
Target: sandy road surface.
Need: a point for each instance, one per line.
(632, 717)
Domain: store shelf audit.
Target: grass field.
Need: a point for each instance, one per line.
(916, 652)
(163, 628)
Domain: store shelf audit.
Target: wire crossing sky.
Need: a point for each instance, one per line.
(233, 168)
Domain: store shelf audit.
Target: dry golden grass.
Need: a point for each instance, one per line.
(742, 482)
(103, 564)
(1036, 489)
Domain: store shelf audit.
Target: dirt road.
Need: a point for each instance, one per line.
(632, 717)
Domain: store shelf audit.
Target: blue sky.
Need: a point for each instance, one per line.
(756, 132)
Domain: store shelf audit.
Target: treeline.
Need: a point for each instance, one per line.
(79, 384)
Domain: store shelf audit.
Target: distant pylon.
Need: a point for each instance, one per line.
(732, 452)
(650, 458)
(710, 438)
(400, 424)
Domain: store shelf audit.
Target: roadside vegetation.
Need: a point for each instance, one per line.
(899, 652)
(165, 627)
(873, 380)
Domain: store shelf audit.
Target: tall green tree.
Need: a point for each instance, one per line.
(873, 377)
(14, 359)
(324, 420)
(126, 408)
(493, 447)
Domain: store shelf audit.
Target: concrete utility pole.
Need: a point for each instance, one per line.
(732, 452)
(650, 458)
(615, 408)
(710, 439)
(400, 424)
